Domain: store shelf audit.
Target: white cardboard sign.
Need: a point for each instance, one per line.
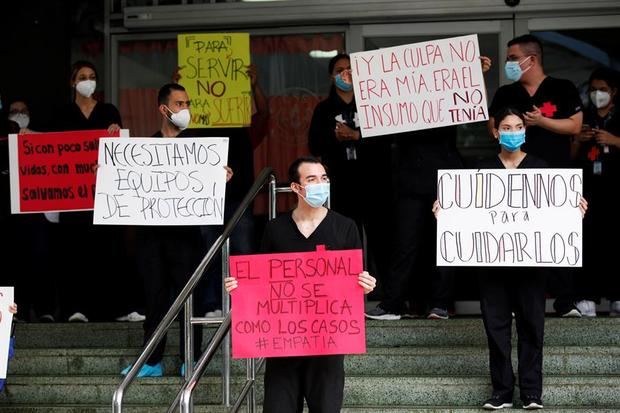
(161, 181)
(509, 217)
(6, 320)
(419, 86)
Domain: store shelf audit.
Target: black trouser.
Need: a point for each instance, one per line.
(561, 285)
(121, 275)
(33, 238)
(598, 277)
(80, 260)
(414, 254)
(166, 263)
(318, 379)
(95, 266)
(522, 291)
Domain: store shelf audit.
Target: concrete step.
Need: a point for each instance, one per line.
(446, 360)
(602, 331)
(221, 409)
(420, 391)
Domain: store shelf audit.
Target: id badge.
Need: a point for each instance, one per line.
(597, 168)
(351, 153)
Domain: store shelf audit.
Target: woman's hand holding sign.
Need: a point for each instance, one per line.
(583, 206)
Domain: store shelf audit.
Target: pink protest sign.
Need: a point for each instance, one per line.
(298, 304)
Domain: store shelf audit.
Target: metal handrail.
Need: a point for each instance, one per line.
(183, 296)
(248, 389)
(184, 396)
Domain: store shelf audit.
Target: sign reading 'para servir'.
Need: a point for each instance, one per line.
(298, 304)
(499, 217)
(213, 69)
(419, 86)
(159, 181)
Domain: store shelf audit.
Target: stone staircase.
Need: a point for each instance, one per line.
(411, 366)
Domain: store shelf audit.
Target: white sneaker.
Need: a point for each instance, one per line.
(134, 316)
(587, 308)
(572, 313)
(78, 317)
(614, 309)
(214, 314)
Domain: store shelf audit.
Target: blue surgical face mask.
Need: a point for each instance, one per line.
(513, 70)
(512, 140)
(317, 194)
(342, 85)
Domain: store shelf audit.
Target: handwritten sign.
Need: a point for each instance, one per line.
(54, 171)
(298, 304)
(500, 217)
(161, 181)
(214, 67)
(419, 86)
(6, 320)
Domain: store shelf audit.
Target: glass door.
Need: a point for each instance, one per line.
(575, 46)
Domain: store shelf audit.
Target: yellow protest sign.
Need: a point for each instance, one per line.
(214, 74)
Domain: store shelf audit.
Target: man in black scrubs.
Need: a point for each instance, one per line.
(168, 255)
(317, 379)
(552, 109)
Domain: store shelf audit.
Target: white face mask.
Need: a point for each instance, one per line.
(86, 88)
(600, 98)
(180, 119)
(21, 119)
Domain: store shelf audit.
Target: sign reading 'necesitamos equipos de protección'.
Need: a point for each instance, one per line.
(161, 181)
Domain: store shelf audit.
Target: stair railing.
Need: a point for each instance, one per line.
(248, 392)
(184, 300)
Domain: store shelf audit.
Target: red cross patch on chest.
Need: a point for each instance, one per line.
(594, 153)
(548, 109)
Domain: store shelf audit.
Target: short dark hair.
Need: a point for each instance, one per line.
(19, 99)
(507, 111)
(293, 170)
(166, 90)
(75, 68)
(530, 44)
(334, 60)
(609, 76)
